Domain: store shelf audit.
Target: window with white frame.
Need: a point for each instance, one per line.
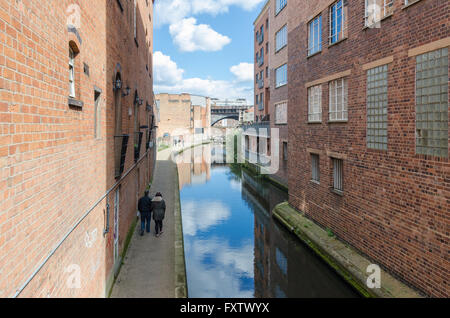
(281, 38)
(279, 5)
(376, 10)
(432, 103)
(315, 35)
(338, 23)
(338, 174)
(281, 113)
(377, 107)
(315, 104)
(281, 76)
(71, 73)
(315, 167)
(338, 100)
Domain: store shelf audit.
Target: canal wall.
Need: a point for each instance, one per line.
(345, 260)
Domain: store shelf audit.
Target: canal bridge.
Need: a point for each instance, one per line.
(219, 113)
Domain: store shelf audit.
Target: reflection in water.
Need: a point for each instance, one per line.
(233, 247)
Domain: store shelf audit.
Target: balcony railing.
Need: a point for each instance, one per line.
(261, 83)
(260, 38)
(260, 60)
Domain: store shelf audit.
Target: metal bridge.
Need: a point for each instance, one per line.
(219, 113)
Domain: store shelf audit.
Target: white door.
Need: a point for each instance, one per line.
(116, 225)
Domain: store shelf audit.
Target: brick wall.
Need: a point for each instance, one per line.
(53, 168)
(395, 205)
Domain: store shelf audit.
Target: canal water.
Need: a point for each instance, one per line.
(233, 247)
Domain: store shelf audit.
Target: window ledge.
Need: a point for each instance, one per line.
(409, 4)
(338, 121)
(280, 124)
(315, 182)
(336, 43)
(280, 86)
(75, 103)
(338, 192)
(314, 54)
(314, 122)
(280, 49)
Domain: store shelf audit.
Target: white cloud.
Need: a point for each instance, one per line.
(243, 71)
(172, 11)
(200, 216)
(165, 70)
(169, 79)
(190, 36)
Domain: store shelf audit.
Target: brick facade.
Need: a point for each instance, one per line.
(395, 204)
(57, 153)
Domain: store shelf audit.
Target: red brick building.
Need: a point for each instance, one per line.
(368, 130)
(76, 141)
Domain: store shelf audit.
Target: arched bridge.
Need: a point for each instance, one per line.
(219, 113)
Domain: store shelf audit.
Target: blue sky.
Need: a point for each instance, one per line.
(205, 47)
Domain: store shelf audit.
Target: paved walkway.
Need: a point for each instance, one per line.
(148, 270)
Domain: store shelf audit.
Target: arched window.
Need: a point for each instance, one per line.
(73, 69)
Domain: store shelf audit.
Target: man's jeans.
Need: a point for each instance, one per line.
(146, 217)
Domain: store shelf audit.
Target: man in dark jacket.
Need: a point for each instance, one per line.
(159, 212)
(145, 209)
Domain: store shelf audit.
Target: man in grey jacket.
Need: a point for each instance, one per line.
(159, 212)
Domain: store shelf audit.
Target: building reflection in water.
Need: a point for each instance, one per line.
(225, 208)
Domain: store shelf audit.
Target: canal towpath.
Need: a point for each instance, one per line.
(155, 267)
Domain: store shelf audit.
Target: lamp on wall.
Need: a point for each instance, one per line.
(117, 84)
(126, 92)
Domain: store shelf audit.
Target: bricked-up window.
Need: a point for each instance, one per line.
(338, 174)
(432, 103)
(338, 21)
(97, 113)
(338, 100)
(376, 10)
(281, 76)
(315, 104)
(279, 5)
(281, 113)
(377, 107)
(315, 35)
(285, 151)
(71, 73)
(315, 168)
(281, 38)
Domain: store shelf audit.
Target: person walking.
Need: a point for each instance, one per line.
(145, 209)
(159, 212)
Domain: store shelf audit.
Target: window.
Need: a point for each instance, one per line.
(376, 10)
(338, 100)
(280, 4)
(377, 106)
(285, 151)
(338, 173)
(267, 48)
(135, 22)
(281, 76)
(71, 73)
(281, 38)
(97, 113)
(315, 168)
(315, 36)
(267, 71)
(261, 101)
(281, 113)
(315, 104)
(338, 23)
(432, 103)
